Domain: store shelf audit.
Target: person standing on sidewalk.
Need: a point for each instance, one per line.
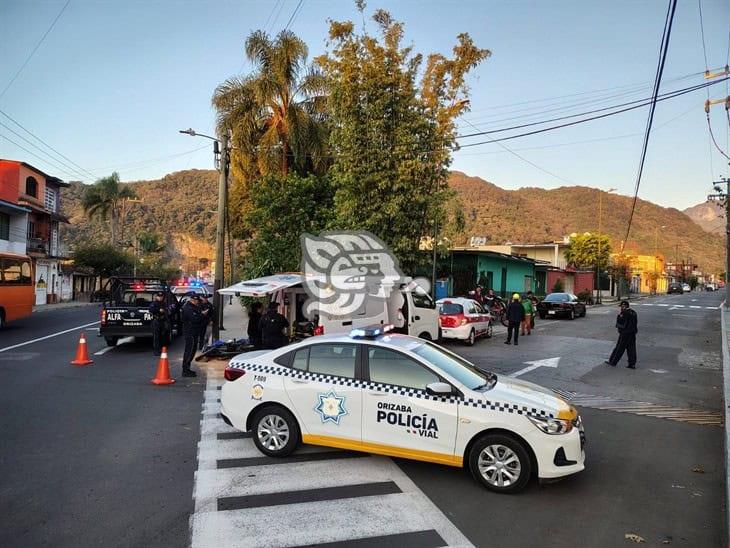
(193, 320)
(254, 325)
(209, 319)
(515, 314)
(527, 320)
(627, 326)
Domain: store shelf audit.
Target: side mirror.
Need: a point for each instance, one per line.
(439, 389)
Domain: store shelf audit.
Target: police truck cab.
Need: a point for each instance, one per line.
(402, 396)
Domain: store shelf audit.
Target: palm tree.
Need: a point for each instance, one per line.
(105, 199)
(276, 113)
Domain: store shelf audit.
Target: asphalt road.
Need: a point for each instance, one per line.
(639, 476)
(97, 456)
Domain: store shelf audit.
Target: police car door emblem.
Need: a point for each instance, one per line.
(330, 407)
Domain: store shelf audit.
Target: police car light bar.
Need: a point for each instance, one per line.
(370, 331)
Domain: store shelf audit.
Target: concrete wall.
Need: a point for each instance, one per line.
(583, 282)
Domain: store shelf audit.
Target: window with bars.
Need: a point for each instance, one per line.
(50, 199)
(4, 226)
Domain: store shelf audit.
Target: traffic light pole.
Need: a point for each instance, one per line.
(220, 237)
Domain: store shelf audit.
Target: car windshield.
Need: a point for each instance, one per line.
(455, 366)
(556, 297)
(451, 308)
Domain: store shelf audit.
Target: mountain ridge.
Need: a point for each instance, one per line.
(181, 206)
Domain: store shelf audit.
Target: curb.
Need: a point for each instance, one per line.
(61, 306)
(726, 394)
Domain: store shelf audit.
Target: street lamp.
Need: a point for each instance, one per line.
(598, 262)
(219, 147)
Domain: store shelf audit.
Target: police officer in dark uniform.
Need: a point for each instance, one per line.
(193, 320)
(206, 305)
(627, 325)
(272, 328)
(161, 323)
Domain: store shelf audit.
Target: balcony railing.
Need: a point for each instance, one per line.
(37, 245)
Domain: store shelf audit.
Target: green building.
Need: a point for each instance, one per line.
(506, 274)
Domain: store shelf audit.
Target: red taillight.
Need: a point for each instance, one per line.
(103, 317)
(319, 330)
(233, 373)
(452, 320)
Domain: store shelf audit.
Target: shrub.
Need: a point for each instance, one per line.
(558, 287)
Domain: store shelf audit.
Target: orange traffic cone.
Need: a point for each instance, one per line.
(82, 356)
(163, 370)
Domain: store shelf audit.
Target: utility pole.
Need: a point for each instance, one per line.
(723, 199)
(220, 236)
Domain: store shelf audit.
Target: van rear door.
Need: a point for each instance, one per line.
(424, 317)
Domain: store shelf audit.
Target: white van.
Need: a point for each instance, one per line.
(411, 310)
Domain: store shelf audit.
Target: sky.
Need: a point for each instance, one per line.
(111, 84)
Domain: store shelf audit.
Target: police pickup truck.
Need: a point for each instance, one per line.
(125, 312)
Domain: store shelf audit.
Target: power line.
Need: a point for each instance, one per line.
(266, 25)
(712, 136)
(68, 169)
(294, 14)
(562, 106)
(32, 53)
(638, 104)
(702, 32)
(49, 146)
(36, 156)
(276, 18)
(672, 95)
(585, 141)
(663, 50)
(533, 164)
(154, 160)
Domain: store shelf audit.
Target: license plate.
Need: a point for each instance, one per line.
(551, 311)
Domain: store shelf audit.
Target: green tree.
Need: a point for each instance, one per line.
(589, 251)
(558, 286)
(275, 114)
(283, 209)
(104, 199)
(156, 266)
(103, 260)
(150, 242)
(391, 133)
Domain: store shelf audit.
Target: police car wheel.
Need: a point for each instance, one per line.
(500, 463)
(472, 338)
(275, 431)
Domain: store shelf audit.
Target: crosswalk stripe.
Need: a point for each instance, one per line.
(417, 539)
(646, 409)
(347, 491)
(317, 496)
(296, 457)
(307, 523)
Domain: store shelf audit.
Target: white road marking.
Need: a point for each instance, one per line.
(301, 523)
(47, 337)
(658, 370)
(109, 348)
(694, 305)
(646, 304)
(662, 305)
(548, 362)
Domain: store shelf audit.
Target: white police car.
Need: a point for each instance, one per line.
(402, 396)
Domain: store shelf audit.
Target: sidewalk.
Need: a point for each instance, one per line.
(61, 306)
(725, 315)
(235, 319)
